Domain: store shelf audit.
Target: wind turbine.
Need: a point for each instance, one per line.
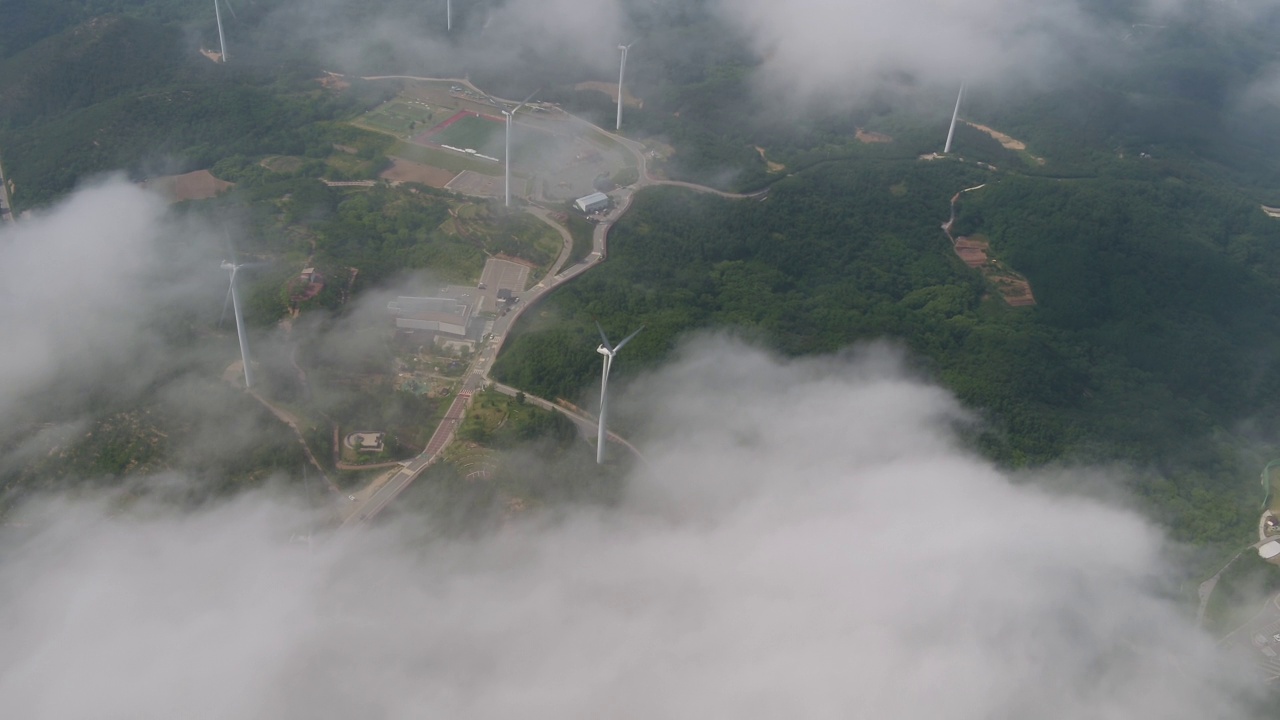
(510, 117)
(234, 298)
(448, 15)
(608, 351)
(954, 116)
(622, 68)
(222, 40)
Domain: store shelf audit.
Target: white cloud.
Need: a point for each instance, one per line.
(74, 278)
(806, 540)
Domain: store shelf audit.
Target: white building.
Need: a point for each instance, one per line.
(591, 203)
(1269, 550)
(444, 315)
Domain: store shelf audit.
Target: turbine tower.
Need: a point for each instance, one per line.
(448, 15)
(622, 68)
(608, 352)
(222, 40)
(954, 116)
(234, 298)
(510, 117)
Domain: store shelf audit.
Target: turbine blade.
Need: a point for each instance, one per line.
(231, 249)
(627, 339)
(225, 304)
(526, 100)
(604, 339)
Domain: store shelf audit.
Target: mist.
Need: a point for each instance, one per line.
(806, 538)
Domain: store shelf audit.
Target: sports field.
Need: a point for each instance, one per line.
(468, 131)
(403, 117)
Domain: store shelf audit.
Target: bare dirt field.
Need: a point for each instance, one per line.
(198, 185)
(1013, 287)
(473, 183)
(1007, 142)
(866, 136)
(773, 166)
(333, 81)
(402, 170)
(611, 89)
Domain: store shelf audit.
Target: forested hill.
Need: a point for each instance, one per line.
(1154, 339)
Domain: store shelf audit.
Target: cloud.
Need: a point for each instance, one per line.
(514, 38)
(826, 48)
(808, 538)
(77, 278)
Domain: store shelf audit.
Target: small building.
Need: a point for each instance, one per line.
(592, 203)
(1269, 550)
(442, 315)
(365, 441)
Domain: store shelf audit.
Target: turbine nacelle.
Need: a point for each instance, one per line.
(609, 352)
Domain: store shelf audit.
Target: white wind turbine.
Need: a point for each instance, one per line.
(622, 68)
(608, 352)
(234, 298)
(954, 116)
(510, 117)
(222, 40)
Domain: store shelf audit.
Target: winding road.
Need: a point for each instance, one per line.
(365, 504)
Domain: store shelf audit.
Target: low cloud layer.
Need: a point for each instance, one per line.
(806, 539)
(81, 279)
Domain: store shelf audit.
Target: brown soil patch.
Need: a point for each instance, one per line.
(214, 56)
(865, 136)
(1005, 141)
(773, 166)
(611, 89)
(973, 252)
(1012, 286)
(333, 82)
(402, 170)
(198, 185)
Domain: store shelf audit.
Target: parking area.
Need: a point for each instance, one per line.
(504, 275)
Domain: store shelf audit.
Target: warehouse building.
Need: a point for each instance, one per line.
(594, 202)
(439, 315)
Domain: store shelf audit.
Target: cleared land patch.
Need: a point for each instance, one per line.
(473, 183)
(402, 170)
(773, 166)
(868, 137)
(1009, 143)
(1012, 286)
(402, 117)
(198, 185)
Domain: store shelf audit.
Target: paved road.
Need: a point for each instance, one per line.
(372, 499)
(583, 421)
